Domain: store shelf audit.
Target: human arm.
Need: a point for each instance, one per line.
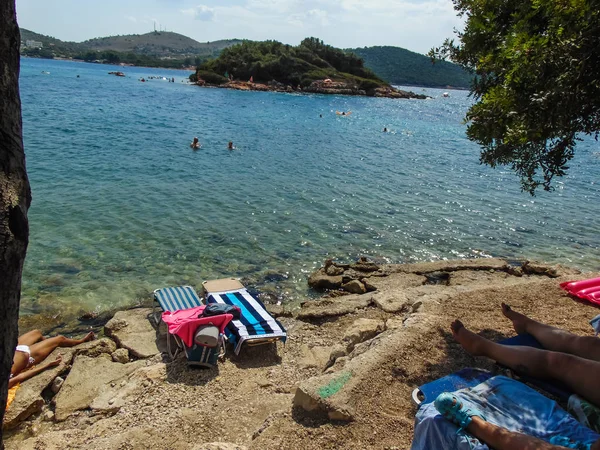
(23, 376)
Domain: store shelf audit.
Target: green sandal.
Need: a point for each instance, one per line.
(450, 407)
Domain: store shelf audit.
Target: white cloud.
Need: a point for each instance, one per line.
(200, 12)
(131, 19)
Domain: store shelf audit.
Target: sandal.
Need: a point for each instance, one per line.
(450, 407)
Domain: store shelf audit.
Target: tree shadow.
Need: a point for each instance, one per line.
(455, 359)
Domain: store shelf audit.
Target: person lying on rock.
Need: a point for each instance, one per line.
(32, 349)
(573, 360)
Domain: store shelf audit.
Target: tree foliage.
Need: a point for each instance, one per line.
(301, 65)
(538, 81)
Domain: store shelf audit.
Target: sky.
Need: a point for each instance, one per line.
(416, 25)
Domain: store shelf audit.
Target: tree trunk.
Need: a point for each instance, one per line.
(15, 195)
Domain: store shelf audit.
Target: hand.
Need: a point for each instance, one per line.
(56, 362)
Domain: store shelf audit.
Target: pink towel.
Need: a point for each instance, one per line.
(185, 322)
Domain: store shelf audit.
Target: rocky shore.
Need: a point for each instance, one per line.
(343, 380)
(317, 87)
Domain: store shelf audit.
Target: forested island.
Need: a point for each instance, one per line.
(311, 66)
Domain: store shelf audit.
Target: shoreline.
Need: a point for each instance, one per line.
(382, 342)
(317, 87)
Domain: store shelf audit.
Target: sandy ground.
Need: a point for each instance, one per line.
(248, 400)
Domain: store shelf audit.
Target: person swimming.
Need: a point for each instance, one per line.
(230, 146)
(195, 144)
(385, 130)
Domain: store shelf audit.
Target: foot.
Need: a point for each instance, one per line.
(89, 337)
(450, 407)
(519, 320)
(471, 342)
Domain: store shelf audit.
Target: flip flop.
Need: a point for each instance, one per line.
(450, 407)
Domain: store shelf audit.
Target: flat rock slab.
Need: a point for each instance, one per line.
(397, 281)
(28, 400)
(86, 379)
(331, 307)
(132, 330)
(449, 266)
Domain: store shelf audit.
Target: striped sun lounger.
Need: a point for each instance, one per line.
(174, 299)
(256, 326)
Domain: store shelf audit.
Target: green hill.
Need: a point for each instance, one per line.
(403, 67)
(310, 61)
(160, 44)
(156, 49)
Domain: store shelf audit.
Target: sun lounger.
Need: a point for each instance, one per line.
(255, 326)
(174, 299)
(555, 388)
(464, 378)
(504, 402)
(184, 327)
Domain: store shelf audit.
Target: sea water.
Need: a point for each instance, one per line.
(122, 205)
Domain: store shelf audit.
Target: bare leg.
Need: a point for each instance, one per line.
(41, 350)
(502, 439)
(31, 338)
(580, 375)
(552, 338)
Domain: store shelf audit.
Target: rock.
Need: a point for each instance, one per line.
(391, 301)
(28, 400)
(370, 287)
(132, 330)
(49, 416)
(334, 270)
(322, 281)
(364, 265)
(57, 384)
(316, 357)
(449, 266)
(316, 394)
(354, 287)
(394, 323)
(96, 347)
(362, 330)
(120, 355)
(219, 446)
(396, 282)
(86, 379)
(534, 268)
(111, 398)
(278, 311)
(332, 307)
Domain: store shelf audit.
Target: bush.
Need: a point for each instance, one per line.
(210, 77)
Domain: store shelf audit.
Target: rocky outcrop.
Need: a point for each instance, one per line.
(331, 307)
(88, 377)
(133, 331)
(29, 400)
(316, 87)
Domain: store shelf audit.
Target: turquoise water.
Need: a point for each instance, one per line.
(122, 205)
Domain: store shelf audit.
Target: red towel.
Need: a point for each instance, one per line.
(185, 322)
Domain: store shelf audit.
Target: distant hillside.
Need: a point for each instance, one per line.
(159, 43)
(157, 49)
(403, 67)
